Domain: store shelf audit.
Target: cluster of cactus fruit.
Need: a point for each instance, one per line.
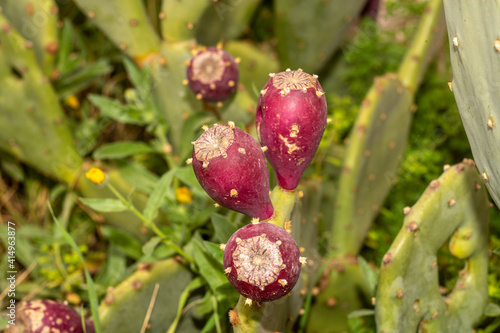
(261, 260)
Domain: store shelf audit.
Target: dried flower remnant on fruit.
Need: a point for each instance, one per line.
(257, 261)
(96, 176)
(293, 80)
(214, 142)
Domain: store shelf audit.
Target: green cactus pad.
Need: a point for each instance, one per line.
(126, 24)
(180, 18)
(408, 296)
(36, 21)
(125, 306)
(376, 146)
(308, 32)
(33, 128)
(473, 31)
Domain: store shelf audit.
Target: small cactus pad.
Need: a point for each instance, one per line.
(231, 167)
(291, 119)
(262, 261)
(474, 42)
(213, 74)
(41, 316)
(409, 298)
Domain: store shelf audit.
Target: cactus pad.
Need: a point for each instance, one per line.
(408, 296)
(475, 60)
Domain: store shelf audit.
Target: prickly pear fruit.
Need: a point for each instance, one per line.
(231, 167)
(291, 119)
(213, 74)
(262, 261)
(49, 316)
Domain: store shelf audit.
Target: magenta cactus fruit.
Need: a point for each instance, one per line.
(213, 74)
(262, 261)
(291, 118)
(49, 316)
(231, 167)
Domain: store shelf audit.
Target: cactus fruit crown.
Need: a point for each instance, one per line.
(293, 80)
(214, 142)
(262, 261)
(212, 74)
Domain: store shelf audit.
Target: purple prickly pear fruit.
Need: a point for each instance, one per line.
(231, 167)
(262, 261)
(213, 74)
(291, 118)
(48, 316)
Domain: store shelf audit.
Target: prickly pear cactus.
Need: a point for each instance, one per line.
(36, 21)
(308, 32)
(408, 297)
(475, 61)
(33, 126)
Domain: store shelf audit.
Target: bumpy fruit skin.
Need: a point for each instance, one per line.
(41, 316)
(231, 167)
(291, 118)
(213, 74)
(262, 261)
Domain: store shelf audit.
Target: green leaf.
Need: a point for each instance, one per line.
(117, 111)
(105, 205)
(24, 249)
(370, 276)
(114, 267)
(193, 285)
(492, 310)
(94, 303)
(361, 313)
(82, 77)
(121, 149)
(211, 270)
(161, 192)
(150, 246)
(124, 242)
(224, 229)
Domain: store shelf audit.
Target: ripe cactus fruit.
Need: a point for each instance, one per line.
(231, 167)
(262, 261)
(291, 119)
(49, 316)
(213, 74)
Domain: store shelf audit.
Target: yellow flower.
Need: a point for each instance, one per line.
(183, 195)
(96, 176)
(72, 102)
